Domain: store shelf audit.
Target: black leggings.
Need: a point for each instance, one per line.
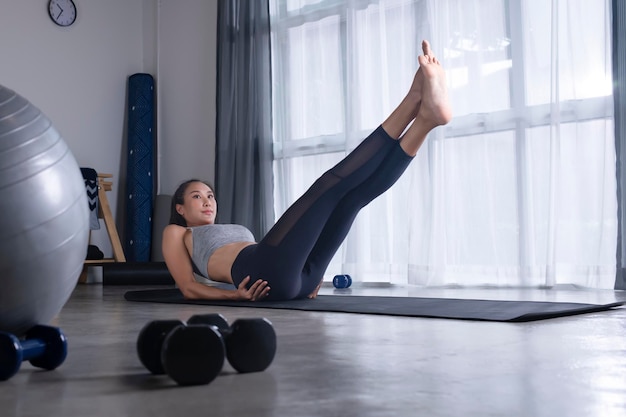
(294, 254)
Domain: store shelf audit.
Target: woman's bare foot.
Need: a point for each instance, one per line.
(435, 107)
(426, 104)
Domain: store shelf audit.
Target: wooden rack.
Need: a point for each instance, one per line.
(104, 212)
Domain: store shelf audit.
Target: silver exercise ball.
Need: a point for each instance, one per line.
(44, 217)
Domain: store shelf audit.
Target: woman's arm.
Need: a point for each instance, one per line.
(179, 264)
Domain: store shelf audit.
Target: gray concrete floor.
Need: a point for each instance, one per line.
(331, 364)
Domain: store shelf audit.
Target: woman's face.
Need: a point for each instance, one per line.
(199, 206)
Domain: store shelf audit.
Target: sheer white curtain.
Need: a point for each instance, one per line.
(519, 189)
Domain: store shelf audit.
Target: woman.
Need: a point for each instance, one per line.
(290, 261)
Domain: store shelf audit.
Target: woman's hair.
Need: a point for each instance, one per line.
(179, 198)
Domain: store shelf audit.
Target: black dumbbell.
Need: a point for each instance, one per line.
(342, 281)
(250, 343)
(43, 346)
(194, 353)
(150, 342)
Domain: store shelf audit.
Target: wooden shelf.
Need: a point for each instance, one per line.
(104, 212)
(97, 262)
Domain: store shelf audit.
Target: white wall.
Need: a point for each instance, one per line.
(187, 98)
(78, 77)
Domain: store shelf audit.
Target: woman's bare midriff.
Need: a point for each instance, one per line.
(221, 261)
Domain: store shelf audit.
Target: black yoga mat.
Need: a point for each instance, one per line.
(445, 308)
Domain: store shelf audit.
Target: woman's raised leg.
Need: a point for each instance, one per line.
(432, 110)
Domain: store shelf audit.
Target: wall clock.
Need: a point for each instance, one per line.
(62, 12)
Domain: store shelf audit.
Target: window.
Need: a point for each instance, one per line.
(518, 189)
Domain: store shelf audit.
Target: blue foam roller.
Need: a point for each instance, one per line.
(139, 175)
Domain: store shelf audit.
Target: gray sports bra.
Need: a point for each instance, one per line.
(208, 238)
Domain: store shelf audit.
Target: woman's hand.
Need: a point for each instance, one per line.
(257, 291)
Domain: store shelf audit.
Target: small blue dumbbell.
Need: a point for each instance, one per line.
(342, 281)
(44, 346)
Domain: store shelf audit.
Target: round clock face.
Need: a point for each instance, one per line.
(62, 12)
